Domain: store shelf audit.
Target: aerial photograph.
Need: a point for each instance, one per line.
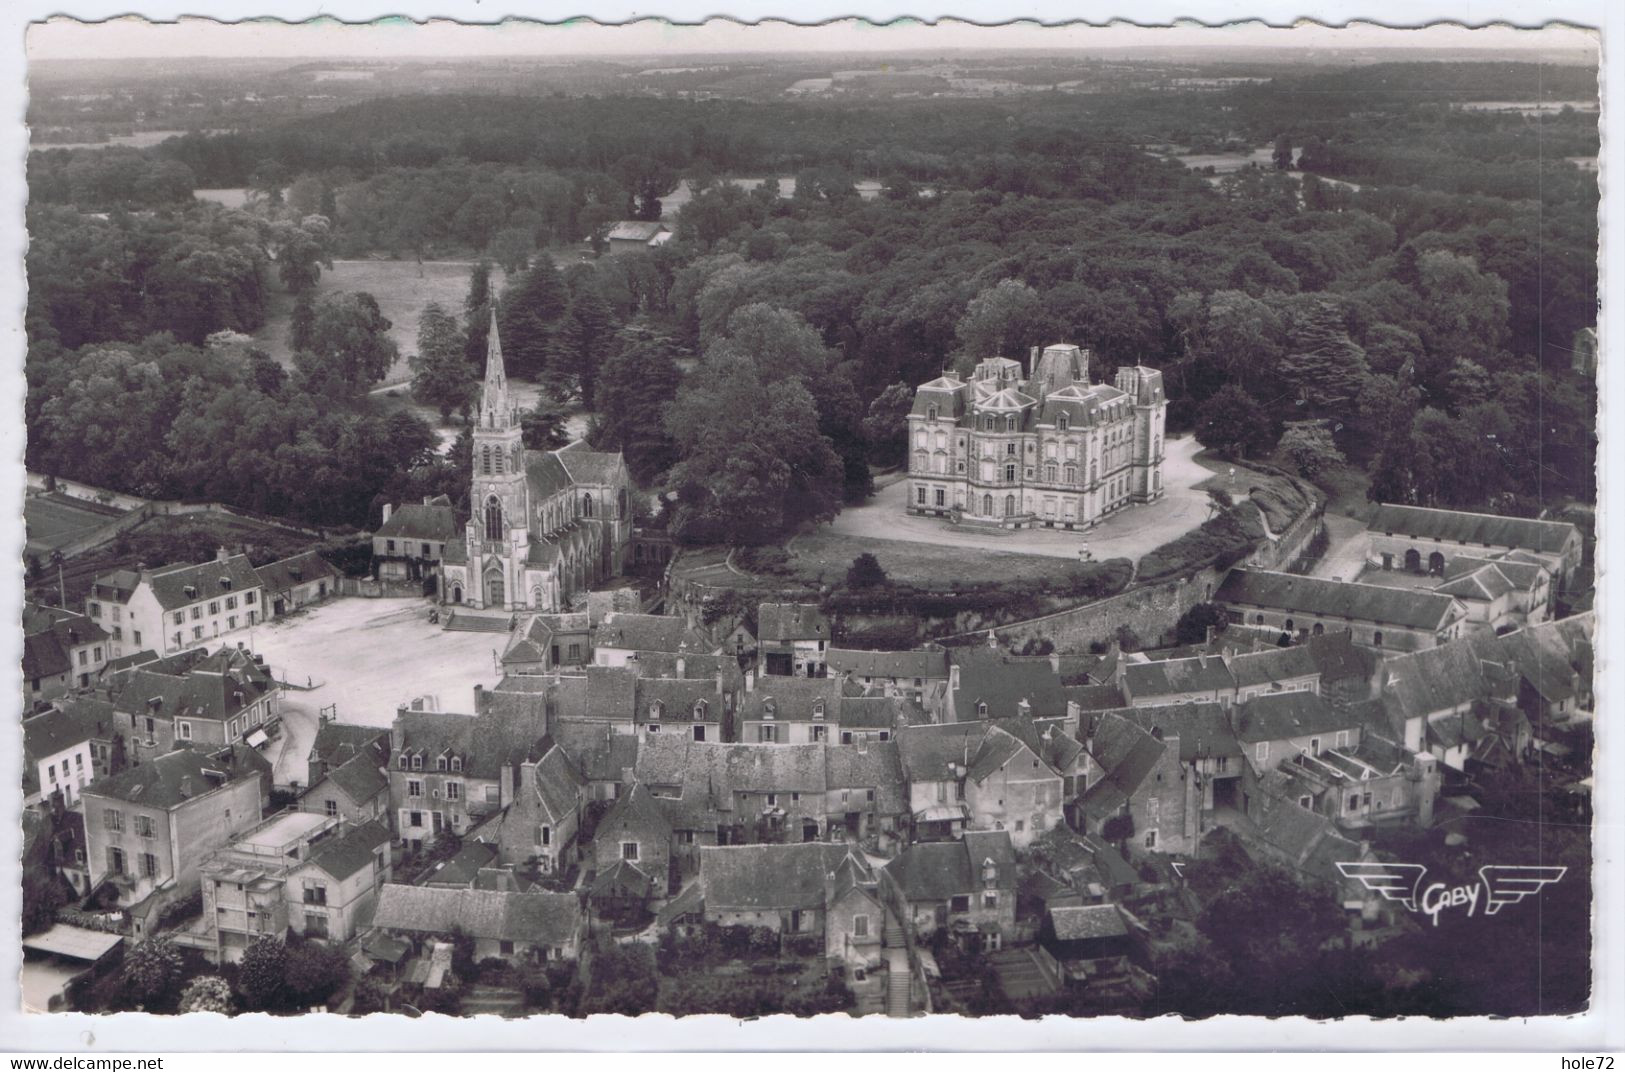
(1043, 524)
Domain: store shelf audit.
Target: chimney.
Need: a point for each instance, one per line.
(750, 680)
(682, 664)
(1032, 361)
(389, 508)
(953, 678)
(221, 554)
(479, 699)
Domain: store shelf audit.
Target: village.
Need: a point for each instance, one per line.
(507, 773)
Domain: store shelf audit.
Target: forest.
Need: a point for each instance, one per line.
(1390, 307)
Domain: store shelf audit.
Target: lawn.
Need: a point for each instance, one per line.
(56, 519)
(823, 556)
(402, 289)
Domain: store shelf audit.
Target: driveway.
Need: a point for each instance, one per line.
(1344, 559)
(1128, 534)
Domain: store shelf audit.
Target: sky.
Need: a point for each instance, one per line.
(134, 38)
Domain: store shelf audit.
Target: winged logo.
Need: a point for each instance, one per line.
(1396, 882)
(1506, 884)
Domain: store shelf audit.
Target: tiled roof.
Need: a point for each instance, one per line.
(756, 877)
(927, 663)
(1277, 716)
(1273, 665)
(1168, 677)
(49, 633)
(485, 742)
(1337, 600)
(547, 919)
(359, 777)
(791, 699)
(460, 871)
(1437, 679)
(344, 854)
(1493, 530)
(680, 699)
(693, 665)
(207, 580)
(1094, 697)
(1338, 658)
(647, 632)
(880, 712)
(623, 878)
(1310, 842)
(929, 751)
(435, 520)
(1078, 922)
(168, 780)
(777, 622)
(597, 750)
(1126, 754)
(1484, 584)
(287, 573)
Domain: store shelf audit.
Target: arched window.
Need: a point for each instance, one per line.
(1063, 422)
(1009, 505)
(1376, 638)
(493, 518)
(1319, 630)
(987, 506)
(485, 460)
(1289, 625)
(499, 459)
(1258, 619)
(620, 505)
(586, 506)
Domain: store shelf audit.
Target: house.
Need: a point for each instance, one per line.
(356, 791)
(1427, 700)
(148, 828)
(792, 710)
(607, 759)
(966, 887)
(1275, 727)
(1084, 868)
(1132, 775)
(1287, 834)
(866, 796)
(297, 581)
(1348, 672)
(1554, 663)
(1290, 669)
(1199, 679)
(449, 771)
(538, 826)
(789, 889)
(697, 708)
(1088, 940)
(411, 542)
(921, 675)
(181, 606)
(1015, 781)
(1389, 619)
(513, 926)
(197, 698)
(336, 743)
(62, 650)
(1373, 784)
(620, 636)
(545, 642)
(984, 683)
(635, 835)
(1201, 737)
(65, 749)
(1415, 538)
(792, 639)
(296, 871)
(636, 236)
(872, 717)
(935, 760)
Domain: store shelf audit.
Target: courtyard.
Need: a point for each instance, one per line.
(1129, 534)
(365, 658)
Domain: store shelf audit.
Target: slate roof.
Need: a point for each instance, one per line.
(768, 877)
(927, 663)
(1165, 677)
(929, 751)
(61, 728)
(880, 712)
(623, 878)
(1337, 600)
(208, 688)
(783, 622)
(1081, 922)
(462, 869)
(680, 699)
(1277, 716)
(1273, 665)
(598, 751)
(1126, 754)
(342, 855)
(1002, 682)
(208, 580)
(1095, 697)
(169, 780)
(1203, 729)
(1338, 658)
(1557, 659)
(558, 782)
(635, 810)
(287, 573)
(933, 871)
(1310, 842)
(647, 632)
(611, 694)
(49, 634)
(1458, 526)
(434, 520)
(1484, 584)
(878, 766)
(793, 699)
(485, 742)
(694, 665)
(359, 777)
(587, 466)
(548, 919)
(337, 742)
(1420, 683)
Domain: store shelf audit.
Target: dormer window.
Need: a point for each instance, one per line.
(403, 762)
(769, 708)
(655, 708)
(818, 709)
(981, 710)
(699, 710)
(440, 763)
(930, 413)
(1009, 424)
(990, 874)
(417, 762)
(456, 763)
(1062, 422)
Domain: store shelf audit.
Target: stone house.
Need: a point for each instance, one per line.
(517, 927)
(1382, 618)
(792, 639)
(921, 674)
(410, 543)
(62, 650)
(634, 831)
(965, 887)
(297, 581)
(194, 699)
(792, 710)
(447, 772)
(1291, 669)
(1419, 539)
(65, 749)
(1276, 727)
(821, 890)
(1198, 679)
(177, 607)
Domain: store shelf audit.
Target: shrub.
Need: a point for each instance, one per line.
(865, 572)
(207, 993)
(260, 975)
(152, 971)
(313, 973)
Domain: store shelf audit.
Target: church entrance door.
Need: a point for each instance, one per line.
(494, 593)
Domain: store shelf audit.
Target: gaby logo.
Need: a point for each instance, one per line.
(1499, 885)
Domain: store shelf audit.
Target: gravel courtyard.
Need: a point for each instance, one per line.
(367, 657)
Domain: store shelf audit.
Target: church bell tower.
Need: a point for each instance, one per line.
(498, 533)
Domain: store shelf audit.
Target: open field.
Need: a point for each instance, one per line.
(402, 289)
(55, 519)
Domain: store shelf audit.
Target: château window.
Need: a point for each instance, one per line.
(1009, 474)
(1009, 424)
(1049, 473)
(1071, 474)
(987, 424)
(930, 413)
(1062, 422)
(987, 505)
(1009, 505)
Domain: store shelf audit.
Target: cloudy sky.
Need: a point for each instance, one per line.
(61, 38)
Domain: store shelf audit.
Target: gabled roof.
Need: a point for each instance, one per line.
(216, 686)
(877, 765)
(170, 780)
(1203, 729)
(344, 854)
(1557, 659)
(934, 871)
(1002, 682)
(1458, 526)
(50, 633)
(792, 699)
(558, 783)
(548, 919)
(1273, 665)
(925, 663)
(462, 869)
(1278, 716)
(1484, 584)
(76, 721)
(1420, 683)
(634, 811)
(757, 877)
(359, 778)
(598, 467)
(337, 742)
(635, 230)
(1338, 600)
(1126, 754)
(647, 632)
(880, 712)
(287, 573)
(779, 622)
(1094, 697)
(1338, 658)
(929, 752)
(207, 580)
(485, 741)
(680, 699)
(434, 520)
(597, 750)
(1310, 842)
(1168, 677)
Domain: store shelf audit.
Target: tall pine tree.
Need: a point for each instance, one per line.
(532, 308)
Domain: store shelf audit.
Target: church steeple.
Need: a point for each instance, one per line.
(496, 411)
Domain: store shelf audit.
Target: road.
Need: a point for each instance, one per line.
(1128, 534)
(1345, 553)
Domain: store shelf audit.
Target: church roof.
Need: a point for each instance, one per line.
(584, 465)
(546, 474)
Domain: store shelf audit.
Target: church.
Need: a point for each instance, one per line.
(545, 526)
(1049, 449)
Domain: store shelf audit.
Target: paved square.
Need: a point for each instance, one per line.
(367, 657)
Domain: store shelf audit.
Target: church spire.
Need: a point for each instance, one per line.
(495, 411)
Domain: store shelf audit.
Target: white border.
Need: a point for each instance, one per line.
(1602, 1028)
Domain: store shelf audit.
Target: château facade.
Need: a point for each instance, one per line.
(543, 526)
(1050, 450)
